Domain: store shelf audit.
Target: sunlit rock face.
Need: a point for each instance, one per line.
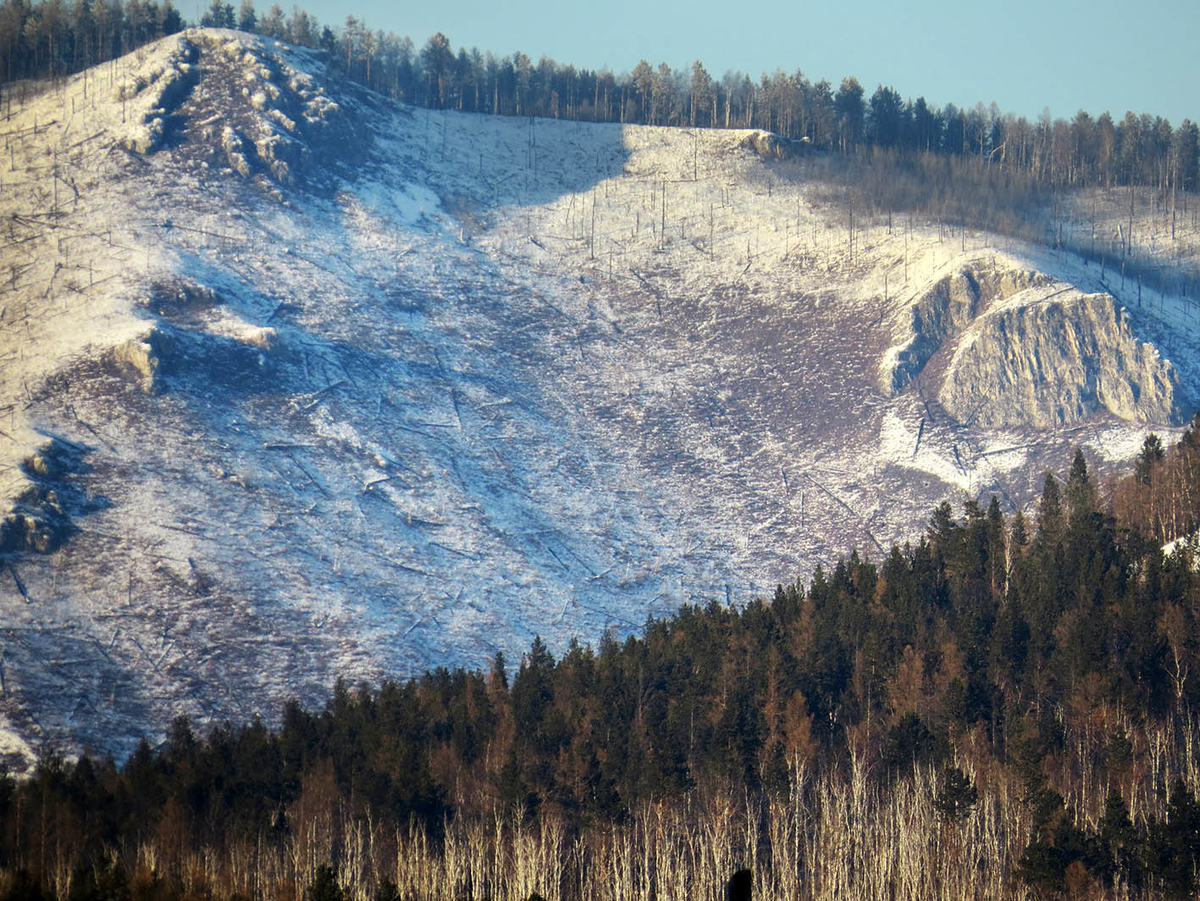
(945, 310)
(1058, 362)
(1007, 347)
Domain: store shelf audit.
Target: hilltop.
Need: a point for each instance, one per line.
(302, 382)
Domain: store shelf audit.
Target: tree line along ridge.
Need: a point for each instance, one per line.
(53, 37)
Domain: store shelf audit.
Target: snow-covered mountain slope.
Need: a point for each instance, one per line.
(300, 384)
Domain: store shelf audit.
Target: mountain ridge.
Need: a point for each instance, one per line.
(393, 388)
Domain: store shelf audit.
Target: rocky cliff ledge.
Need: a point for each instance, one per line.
(999, 345)
(1058, 361)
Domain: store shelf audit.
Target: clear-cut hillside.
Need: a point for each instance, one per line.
(300, 383)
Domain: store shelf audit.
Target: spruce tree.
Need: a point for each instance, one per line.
(1050, 513)
(1151, 454)
(1081, 495)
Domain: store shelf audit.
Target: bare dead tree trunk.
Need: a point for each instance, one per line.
(1129, 234)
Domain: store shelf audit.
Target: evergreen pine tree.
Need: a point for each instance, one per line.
(1151, 454)
(1019, 536)
(1081, 494)
(1050, 513)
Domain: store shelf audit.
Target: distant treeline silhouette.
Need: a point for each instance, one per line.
(54, 37)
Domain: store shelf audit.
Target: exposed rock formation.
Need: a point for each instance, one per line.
(945, 310)
(154, 91)
(1002, 346)
(165, 350)
(1056, 362)
(281, 111)
(143, 357)
(278, 111)
(771, 146)
(39, 519)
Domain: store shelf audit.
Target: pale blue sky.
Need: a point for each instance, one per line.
(1023, 54)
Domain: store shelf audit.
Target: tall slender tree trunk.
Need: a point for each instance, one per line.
(1129, 234)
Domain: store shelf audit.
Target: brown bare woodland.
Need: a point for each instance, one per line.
(837, 833)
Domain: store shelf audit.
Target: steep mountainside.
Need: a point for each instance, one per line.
(303, 384)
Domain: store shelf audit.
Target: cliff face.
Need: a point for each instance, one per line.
(1057, 362)
(1003, 347)
(945, 310)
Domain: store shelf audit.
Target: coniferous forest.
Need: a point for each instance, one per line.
(1004, 706)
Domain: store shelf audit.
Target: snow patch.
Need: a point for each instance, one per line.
(900, 443)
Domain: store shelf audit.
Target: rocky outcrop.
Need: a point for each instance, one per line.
(277, 116)
(1057, 362)
(39, 519)
(155, 91)
(945, 310)
(235, 151)
(146, 358)
(37, 522)
(771, 146)
(1002, 346)
(164, 351)
(280, 115)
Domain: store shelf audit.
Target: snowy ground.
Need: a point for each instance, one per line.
(354, 401)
